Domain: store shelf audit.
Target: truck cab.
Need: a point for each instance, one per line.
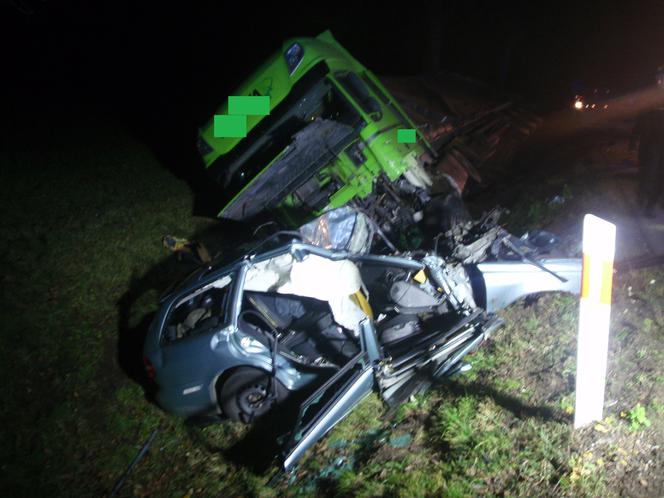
(330, 138)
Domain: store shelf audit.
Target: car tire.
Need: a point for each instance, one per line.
(245, 396)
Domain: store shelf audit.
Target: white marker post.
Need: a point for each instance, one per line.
(599, 243)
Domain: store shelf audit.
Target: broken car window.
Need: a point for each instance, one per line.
(201, 311)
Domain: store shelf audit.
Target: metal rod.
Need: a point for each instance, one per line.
(134, 462)
(530, 260)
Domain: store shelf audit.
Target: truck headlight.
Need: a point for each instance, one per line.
(293, 57)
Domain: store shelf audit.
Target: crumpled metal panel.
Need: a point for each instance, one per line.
(508, 281)
(341, 229)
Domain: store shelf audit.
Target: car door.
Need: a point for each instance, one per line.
(336, 398)
(189, 360)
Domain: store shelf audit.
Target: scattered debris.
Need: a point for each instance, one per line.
(187, 250)
(400, 441)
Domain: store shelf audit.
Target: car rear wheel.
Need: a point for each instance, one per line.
(249, 393)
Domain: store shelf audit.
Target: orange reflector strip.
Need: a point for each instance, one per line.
(606, 280)
(585, 276)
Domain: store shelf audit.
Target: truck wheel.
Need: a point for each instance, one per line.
(247, 394)
(444, 212)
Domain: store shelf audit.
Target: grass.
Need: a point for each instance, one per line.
(539, 205)
(81, 224)
(83, 266)
(637, 418)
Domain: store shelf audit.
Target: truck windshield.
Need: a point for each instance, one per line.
(314, 96)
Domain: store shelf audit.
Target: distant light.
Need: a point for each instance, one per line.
(606, 106)
(578, 105)
(592, 106)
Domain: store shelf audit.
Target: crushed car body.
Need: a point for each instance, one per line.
(325, 318)
(321, 322)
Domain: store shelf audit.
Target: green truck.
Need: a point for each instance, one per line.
(330, 139)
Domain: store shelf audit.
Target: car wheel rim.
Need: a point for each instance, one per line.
(253, 399)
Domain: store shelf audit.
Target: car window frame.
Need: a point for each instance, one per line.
(229, 317)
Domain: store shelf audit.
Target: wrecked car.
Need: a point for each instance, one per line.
(321, 322)
(329, 140)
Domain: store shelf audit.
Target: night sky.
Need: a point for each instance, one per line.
(167, 68)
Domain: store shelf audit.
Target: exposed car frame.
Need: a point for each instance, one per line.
(192, 373)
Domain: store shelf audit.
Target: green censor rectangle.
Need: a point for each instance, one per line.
(406, 136)
(230, 126)
(254, 105)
